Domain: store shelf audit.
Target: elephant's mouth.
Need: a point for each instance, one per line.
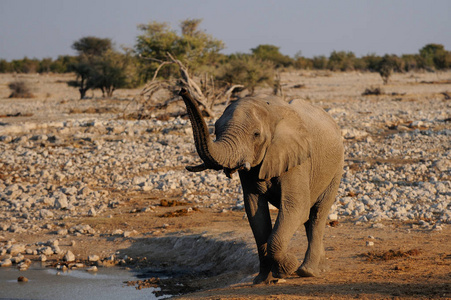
(245, 166)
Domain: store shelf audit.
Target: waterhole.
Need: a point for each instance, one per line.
(48, 283)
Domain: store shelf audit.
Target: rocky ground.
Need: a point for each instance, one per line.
(81, 184)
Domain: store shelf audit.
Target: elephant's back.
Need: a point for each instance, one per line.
(325, 133)
(314, 115)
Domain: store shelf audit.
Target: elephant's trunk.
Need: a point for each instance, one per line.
(216, 155)
(202, 139)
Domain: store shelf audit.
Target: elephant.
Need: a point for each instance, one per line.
(288, 154)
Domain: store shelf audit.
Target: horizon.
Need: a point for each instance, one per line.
(48, 28)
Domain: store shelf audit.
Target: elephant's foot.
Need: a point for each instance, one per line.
(286, 267)
(263, 278)
(304, 271)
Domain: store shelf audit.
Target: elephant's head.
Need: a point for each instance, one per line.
(251, 133)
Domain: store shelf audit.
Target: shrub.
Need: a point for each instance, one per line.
(388, 64)
(372, 62)
(271, 53)
(248, 71)
(319, 62)
(411, 62)
(25, 65)
(341, 61)
(5, 67)
(20, 89)
(376, 91)
(301, 62)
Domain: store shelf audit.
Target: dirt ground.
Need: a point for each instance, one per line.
(405, 261)
(399, 260)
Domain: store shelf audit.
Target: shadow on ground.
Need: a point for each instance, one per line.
(188, 263)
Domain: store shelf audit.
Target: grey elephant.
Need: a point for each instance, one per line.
(286, 154)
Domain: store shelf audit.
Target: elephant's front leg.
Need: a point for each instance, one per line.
(293, 211)
(260, 221)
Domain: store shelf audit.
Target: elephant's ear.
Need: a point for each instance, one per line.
(289, 147)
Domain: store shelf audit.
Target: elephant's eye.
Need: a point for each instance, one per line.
(256, 134)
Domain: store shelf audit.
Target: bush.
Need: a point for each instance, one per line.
(341, 61)
(411, 62)
(247, 70)
(373, 91)
(25, 65)
(388, 65)
(319, 62)
(5, 67)
(372, 62)
(20, 89)
(271, 53)
(302, 63)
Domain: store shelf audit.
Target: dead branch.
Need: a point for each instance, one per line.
(192, 86)
(144, 97)
(229, 92)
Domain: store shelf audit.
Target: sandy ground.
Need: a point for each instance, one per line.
(399, 260)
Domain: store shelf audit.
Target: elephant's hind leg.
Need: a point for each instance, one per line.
(315, 230)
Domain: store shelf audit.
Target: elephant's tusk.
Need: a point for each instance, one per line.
(246, 166)
(197, 168)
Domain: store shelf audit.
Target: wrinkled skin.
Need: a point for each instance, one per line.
(286, 154)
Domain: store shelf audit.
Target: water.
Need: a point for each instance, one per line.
(45, 283)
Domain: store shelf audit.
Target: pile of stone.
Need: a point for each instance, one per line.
(54, 170)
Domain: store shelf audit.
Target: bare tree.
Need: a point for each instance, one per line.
(206, 94)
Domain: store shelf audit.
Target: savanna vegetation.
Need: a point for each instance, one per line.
(161, 51)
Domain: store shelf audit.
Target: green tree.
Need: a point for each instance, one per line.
(92, 46)
(111, 71)
(247, 70)
(45, 65)
(411, 62)
(341, 61)
(372, 62)
(5, 67)
(84, 70)
(63, 64)
(301, 62)
(271, 53)
(25, 65)
(435, 56)
(319, 62)
(99, 66)
(194, 48)
(389, 64)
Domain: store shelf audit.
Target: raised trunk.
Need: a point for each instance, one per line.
(222, 154)
(202, 139)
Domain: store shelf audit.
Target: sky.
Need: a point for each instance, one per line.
(48, 28)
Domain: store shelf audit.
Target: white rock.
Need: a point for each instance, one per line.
(93, 258)
(46, 251)
(61, 202)
(333, 217)
(69, 256)
(45, 214)
(6, 263)
(92, 212)
(16, 249)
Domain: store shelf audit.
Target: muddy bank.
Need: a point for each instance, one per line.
(185, 264)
